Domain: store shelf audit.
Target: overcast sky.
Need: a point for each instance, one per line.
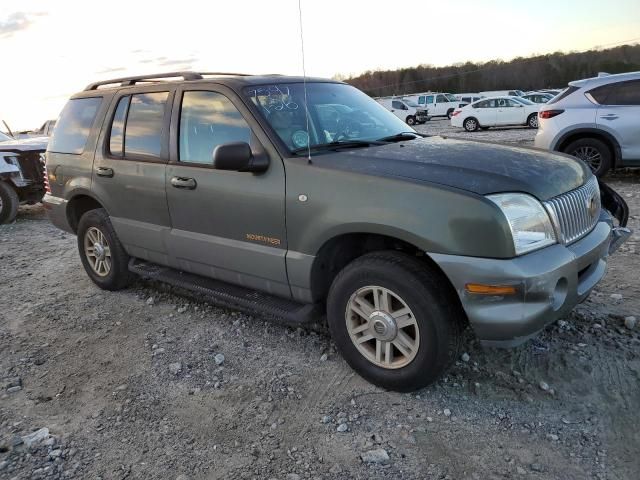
(52, 48)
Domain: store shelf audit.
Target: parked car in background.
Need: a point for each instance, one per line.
(596, 120)
(498, 93)
(21, 174)
(405, 109)
(438, 104)
(552, 91)
(400, 240)
(538, 97)
(46, 130)
(496, 112)
(467, 98)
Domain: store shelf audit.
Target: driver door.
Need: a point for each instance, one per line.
(226, 225)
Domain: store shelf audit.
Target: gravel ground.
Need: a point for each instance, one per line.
(150, 383)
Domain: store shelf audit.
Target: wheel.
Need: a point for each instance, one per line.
(411, 120)
(103, 256)
(470, 124)
(532, 121)
(450, 113)
(9, 203)
(394, 320)
(593, 152)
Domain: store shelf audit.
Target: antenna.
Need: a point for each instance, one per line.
(304, 82)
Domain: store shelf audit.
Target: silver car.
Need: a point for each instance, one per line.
(596, 120)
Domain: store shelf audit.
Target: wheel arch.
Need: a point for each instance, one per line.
(78, 205)
(601, 135)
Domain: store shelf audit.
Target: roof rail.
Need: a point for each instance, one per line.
(128, 81)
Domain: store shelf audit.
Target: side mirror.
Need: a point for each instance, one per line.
(237, 156)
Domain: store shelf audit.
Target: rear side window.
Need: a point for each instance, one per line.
(568, 91)
(208, 119)
(136, 128)
(621, 93)
(74, 125)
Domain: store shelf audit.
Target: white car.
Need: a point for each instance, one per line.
(438, 104)
(538, 97)
(499, 93)
(406, 110)
(496, 112)
(596, 120)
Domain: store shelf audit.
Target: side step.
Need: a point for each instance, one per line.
(228, 295)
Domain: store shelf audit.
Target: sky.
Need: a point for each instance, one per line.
(50, 49)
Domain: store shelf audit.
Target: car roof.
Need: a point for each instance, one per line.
(605, 79)
(237, 81)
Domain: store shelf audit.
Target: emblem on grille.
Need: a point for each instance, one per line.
(592, 205)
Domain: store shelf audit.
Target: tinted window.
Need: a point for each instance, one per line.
(622, 93)
(116, 140)
(466, 99)
(143, 132)
(568, 91)
(208, 119)
(74, 125)
(430, 99)
(397, 104)
(441, 99)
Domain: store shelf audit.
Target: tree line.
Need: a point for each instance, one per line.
(553, 70)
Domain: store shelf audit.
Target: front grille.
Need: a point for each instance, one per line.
(575, 213)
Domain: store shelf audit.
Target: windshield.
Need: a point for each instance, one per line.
(337, 112)
(4, 138)
(450, 97)
(521, 100)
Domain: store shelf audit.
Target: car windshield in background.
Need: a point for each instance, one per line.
(337, 113)
(524, 101)
(450, 97)
(4, 138)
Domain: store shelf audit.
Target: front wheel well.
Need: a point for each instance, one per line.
(78, 206)
(608, 141)
(338, 252)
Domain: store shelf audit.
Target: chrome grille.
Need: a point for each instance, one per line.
(575, 213)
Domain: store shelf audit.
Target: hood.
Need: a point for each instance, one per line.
(478, 167)
(25, 144)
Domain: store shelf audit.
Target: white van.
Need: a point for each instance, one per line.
(467, 98)
(405, 109)
(502, 93)
(439, 104)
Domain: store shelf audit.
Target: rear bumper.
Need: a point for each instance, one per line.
(549, 284)
(56, 208)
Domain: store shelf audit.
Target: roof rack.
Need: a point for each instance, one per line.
(128, 81)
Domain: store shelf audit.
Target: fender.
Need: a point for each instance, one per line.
(617, 152)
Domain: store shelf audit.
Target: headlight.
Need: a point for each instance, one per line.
(530, 225)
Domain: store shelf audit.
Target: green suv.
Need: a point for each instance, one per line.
(305, 199)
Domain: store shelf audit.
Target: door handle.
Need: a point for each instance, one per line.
(609, 116)
(104, 172)
(183, 182)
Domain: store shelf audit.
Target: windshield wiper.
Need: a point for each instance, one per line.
(339, 144)
(399, 137)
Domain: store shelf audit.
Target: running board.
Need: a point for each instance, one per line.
(228, 295)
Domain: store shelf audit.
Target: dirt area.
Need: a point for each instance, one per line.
(149, 383)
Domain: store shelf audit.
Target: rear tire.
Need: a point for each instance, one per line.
(450, 113)
(102, 255)
(9, 203)
(428, 330)
(595, 153)
(411, 120)
(470, 124)
(532, 121)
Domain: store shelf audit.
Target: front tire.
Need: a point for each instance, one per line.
(595, 153)
(394, 320)
(470, 124)
(102, 255)
(411, 120)
(9, 203)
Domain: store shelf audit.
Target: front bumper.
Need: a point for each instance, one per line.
(549, 283)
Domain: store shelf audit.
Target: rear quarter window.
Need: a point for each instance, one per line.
(568, 91)
(74, 125)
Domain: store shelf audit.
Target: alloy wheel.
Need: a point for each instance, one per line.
(590, 155)
(97, 251)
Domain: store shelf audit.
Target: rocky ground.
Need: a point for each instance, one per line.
(150, 383)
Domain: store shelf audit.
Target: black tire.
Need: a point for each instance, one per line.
(119, 276)
(9, 203)
(435, 308)
(532, 120)
(450, 113)
(582, 148)
(411, 120)
(470, 124)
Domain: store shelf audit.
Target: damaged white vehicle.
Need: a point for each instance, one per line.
(22, 177)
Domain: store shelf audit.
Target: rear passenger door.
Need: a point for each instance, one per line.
(485, 112)
(129, 170)
(226, 225)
